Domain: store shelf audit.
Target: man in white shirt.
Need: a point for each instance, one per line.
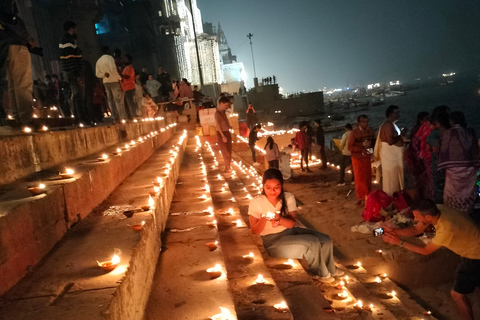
(107, 70)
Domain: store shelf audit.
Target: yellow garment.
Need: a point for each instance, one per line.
(457, 232)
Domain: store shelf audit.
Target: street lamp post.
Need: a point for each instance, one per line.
(249, 36)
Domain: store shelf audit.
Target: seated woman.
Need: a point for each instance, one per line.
(273, 216)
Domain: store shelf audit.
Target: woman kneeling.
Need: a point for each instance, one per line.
(273, 216)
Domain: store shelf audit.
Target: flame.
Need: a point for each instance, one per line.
(159, 180)
(344, 294)
(115, 259)
(41, 186)
(280, 306)
(290, 262)
(217, 268)
(359, 304)
(104, 156)
(223, 315)
(260, 279)
(238, 222)
(151, 203)
(358, 264)
(156, 189)
(69, 171)
(119, 150)
(27, 130)
(393, 293)
(378, 280)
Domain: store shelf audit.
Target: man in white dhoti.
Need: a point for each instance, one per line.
(389, 148)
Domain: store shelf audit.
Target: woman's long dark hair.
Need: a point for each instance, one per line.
(271, 174)
(269, 143)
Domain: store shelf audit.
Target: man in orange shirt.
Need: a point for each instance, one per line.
(128, 86)
(360, 144)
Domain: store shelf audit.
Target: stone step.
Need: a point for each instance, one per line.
(69, 284)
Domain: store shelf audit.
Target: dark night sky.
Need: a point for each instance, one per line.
(334, 43)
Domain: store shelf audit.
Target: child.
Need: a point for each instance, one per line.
(272, 153)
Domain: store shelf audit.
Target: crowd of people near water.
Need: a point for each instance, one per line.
(434, 166)
(87, 94)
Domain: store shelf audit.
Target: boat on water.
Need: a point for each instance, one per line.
(392, 93)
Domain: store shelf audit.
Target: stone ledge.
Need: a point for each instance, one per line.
(31, 226)
(68, 284)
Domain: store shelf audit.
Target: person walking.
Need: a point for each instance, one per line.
(389, 148)
(107, 70)
(320, 139)
(224, 138)
(252, 140)
(360, 145)
(251, 117)
(128, 86)
(346, 155)
(72, 66)
(272, 153)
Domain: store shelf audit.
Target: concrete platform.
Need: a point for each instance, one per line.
(31, 225)
(69, 284)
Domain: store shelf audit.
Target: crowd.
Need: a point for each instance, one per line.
(86, 93)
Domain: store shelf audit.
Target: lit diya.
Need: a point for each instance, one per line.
(281, 307)
(103, 158)
(109, 265)
(289, 263)
(215, 272)
(68, 174)
(150, 204)
(117, 152)
(38, 189)
(341, 296)
(212, 246)
(260, 280)
(249, 256)
(229, 212)
(137, 227)
(212, 223)
(340, 285)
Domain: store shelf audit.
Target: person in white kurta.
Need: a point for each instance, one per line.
(389, 148)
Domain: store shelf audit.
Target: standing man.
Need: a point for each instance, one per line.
(301, 142)
(320, 138)
(16, 63)
(346, 155)
(390, 149)
(224, 138)
(72, 66)
(107, 70)
(360, 145)
(128, 86)
(252, 140)
(251, 117)
(164, 78)
(455, 231)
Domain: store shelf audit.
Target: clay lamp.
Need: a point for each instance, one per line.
(215, 272)
(212, 246)
(233, 199)
(44, 128)
(379, 251)
(132, 143)
(249, 256)
(358, 305)
(392, 294)
(383, 276)
(38, 189)
(212, 223)
(166, 172)
(356, 265)
(209, 210)
(229, 212)
(222, 189)
(27, 130)
(206, 188)
(155, 190)
(162, 130)
(68, 174)
(151, 203)
(281, 307)
(238, 223)
(219, 177)
(289, 263)
(81, 125)
(124, 121)
(109, 265)
(341, 285)
(248, 197)
(346, 279)
(117, 152)
(140, 139)
(128, 213)
(137, 226)
(223, 315)
(126, 147)
(341, 296)
(377, 280)
(203, 197)
(103, 158)
(260, 280)
(159, 181)
(428, 313)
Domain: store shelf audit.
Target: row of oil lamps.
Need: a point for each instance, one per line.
(217, 270)
(81, 125)
(69, 173)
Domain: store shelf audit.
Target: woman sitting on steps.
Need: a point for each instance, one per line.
(273, 216)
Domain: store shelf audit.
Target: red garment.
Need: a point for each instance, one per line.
(185, 91)
(362, 171)
(301, 140)
(422, 135)
(128, 84)
(356, 143)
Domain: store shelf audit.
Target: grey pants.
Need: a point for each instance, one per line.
(114, 96)
(298, 243)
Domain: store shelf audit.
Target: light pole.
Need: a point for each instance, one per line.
(196, 46)
(249, 36)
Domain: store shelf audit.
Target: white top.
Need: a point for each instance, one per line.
(260, 206)
(106, 64)
(272, 154)
(344, 144)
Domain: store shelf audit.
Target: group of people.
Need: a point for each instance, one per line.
(110, 88)
(306, 138)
